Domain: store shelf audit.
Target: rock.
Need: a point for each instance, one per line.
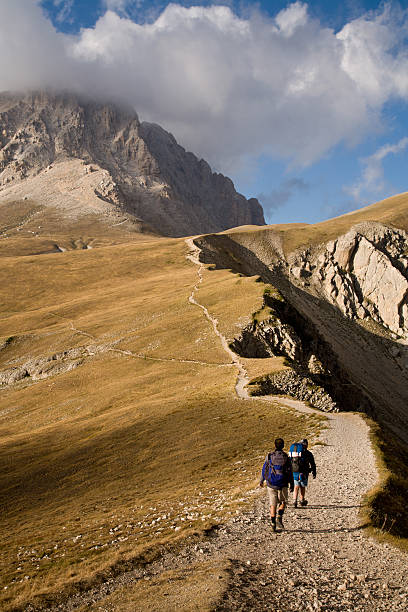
(150, 176)
(295, 384)
(381, 281)
(43, 367)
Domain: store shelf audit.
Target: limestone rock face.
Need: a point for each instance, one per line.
(147, 174)
(346, 301)
(271, 337)
(296, 385)
(364, 273)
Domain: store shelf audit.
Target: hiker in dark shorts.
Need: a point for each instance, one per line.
(303, 464)
(277, 471)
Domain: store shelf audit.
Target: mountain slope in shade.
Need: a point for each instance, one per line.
(126, 168)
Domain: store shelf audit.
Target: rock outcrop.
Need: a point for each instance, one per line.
(364, 273)
(297, 385)
(343, 318)
(147, 174)
(267, 339)
(307, 376)
(38, 368)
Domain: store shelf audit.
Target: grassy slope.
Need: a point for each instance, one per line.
(28, 228)
(147, 428)
(392, 211)
(388, 501)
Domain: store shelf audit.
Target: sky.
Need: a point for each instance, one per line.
(303, 104)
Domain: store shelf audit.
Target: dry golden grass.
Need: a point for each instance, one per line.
(138, 446)
(259, 367)
(197, 588)
(27, 228)
(386, 510)
(392, 211)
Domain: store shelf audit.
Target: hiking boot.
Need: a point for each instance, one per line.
(295, 504)
(303, 502)
(279, 522)
(273, 527)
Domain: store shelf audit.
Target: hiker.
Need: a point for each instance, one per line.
(303, 464)
(277, 471)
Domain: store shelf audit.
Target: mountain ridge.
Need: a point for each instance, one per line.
(150, 176)
(112, 357)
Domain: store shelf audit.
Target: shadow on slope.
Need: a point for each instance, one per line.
(365, 375)
(140, 444)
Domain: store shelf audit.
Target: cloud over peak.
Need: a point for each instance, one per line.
(226, 86)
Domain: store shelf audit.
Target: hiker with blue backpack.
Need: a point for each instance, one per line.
(277, 472)
(303, 464)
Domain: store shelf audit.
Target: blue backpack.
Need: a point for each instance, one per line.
(276, 474)
(296, 454)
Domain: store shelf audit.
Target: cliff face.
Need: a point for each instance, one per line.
(364, 273)
(343, 306)
(146, 173)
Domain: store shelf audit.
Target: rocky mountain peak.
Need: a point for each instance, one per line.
(149, 175)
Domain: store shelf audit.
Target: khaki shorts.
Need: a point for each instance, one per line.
(277, 496)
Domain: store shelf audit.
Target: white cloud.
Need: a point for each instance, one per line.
(375, 55)
(32, 54)
(228, 88)
(121, 6)
(291, 18)
(65, 8)
(371, 182)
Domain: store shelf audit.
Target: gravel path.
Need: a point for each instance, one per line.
(321, 561)
(242, 378)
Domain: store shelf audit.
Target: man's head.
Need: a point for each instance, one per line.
(304, 442)
(279, 444)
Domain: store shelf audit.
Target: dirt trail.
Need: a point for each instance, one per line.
(242, 379)
(322, 558)
(321, 561)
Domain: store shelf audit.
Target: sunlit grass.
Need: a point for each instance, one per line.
(145, 442)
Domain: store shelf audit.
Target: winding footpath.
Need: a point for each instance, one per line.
(242, 379)
(323, 560)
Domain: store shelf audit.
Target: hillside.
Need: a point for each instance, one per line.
(338, 314)
(143, 378)
(115, 419)
(344, 302)
(95, 159)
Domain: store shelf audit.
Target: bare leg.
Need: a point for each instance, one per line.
(281, 510)
(273, 516)
(302, 493)
(295, 493)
